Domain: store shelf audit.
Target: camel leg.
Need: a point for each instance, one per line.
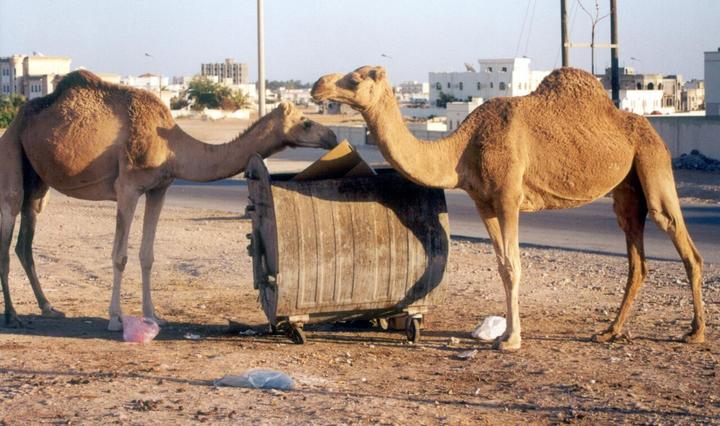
(127, 199)
(153, 205)
(493, 229)
(631, 210)
(36, 194)
(504, 229)
(664, 209)
(11, 198)
(7, 225)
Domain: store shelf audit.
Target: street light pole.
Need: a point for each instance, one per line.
(261, 59)
(614, 52)
(564, 34)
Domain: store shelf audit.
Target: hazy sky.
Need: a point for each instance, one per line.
(308, 38)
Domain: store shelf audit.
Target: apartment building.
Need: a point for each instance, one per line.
(712, 83)
(31, 76)
(495, 78)
(237, 72)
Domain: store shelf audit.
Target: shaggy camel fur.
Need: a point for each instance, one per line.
(99, 141)
(562, 146)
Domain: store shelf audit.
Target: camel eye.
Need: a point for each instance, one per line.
(307, 124)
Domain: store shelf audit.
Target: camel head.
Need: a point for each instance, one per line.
(298, 131)
(360, 89)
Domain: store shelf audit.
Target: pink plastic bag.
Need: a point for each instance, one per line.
(139, 330)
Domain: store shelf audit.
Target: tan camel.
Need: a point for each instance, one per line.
(99, 141)
(562, 146)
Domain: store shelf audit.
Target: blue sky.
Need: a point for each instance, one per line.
(308, 38)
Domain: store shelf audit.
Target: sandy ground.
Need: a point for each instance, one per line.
(74, 371)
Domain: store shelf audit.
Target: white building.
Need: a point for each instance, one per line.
(712, 83)
(457, 111)
(496, 77)
(643, 102)
(31, 76)
(415, 92)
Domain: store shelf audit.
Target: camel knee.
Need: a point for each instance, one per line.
(663, 220)
(146, 260)
(119, 262)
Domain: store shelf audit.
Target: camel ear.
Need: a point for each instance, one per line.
(377, 73)
(286, 107)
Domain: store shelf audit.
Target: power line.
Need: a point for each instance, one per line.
(522, 28)
(532, 18)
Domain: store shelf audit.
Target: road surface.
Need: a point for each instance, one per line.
(589, 228)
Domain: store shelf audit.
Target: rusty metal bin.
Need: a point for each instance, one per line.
(349, 248)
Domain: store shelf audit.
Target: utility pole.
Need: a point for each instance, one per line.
(615, 76)
(261, 59)
(564, 34)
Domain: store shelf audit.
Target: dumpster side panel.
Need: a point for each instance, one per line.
(353, 244)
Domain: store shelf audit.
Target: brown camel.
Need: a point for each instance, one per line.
(99, 141)
(562, 146)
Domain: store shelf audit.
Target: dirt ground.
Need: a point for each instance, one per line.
(74, 371)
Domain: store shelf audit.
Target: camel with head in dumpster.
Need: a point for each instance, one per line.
(99, 141)
(564, 145)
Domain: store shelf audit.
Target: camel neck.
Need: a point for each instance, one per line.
(198, 161)
(428, 163)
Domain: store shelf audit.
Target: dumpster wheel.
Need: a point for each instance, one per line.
(412, 329)
(296, 333)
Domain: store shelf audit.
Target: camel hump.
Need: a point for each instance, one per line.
(79, 78)
(570, 83)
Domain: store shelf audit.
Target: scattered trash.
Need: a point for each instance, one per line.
(453, 341)
(491, 328)
(696, 161)
(258, 378)
(139, 330)
(248, 332)
(192, 336)
(467, 354)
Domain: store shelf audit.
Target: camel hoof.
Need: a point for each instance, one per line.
(115, 324)
(159, 321)
(509, 345)
(605, 337)
(50, 312)
(12, 321)
(695, 337)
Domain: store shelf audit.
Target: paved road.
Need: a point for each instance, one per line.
(588, 228)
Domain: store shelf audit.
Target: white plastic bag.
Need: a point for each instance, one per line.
(258, 378)
(491, 328)
(139, 330)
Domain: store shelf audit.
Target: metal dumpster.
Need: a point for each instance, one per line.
(349, 248)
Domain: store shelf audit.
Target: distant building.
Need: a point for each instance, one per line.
(458, 111)
(693, 96)
(414, 92)
(237, 72)
(671, 86)
(643, 102)
(495, 78)
(712, 83)
(31, 76)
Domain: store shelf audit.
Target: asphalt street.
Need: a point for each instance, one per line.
(589, 228)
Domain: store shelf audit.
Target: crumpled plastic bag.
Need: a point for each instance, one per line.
(139, 330)
(491, 328)
(258, 378)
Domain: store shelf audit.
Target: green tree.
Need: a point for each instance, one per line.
(205, 93)
(9, 107)
(443, 99)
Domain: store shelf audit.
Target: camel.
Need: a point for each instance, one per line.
(98, 141)
(562, 146)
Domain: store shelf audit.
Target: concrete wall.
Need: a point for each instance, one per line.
(683, 134)
(356, 135)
